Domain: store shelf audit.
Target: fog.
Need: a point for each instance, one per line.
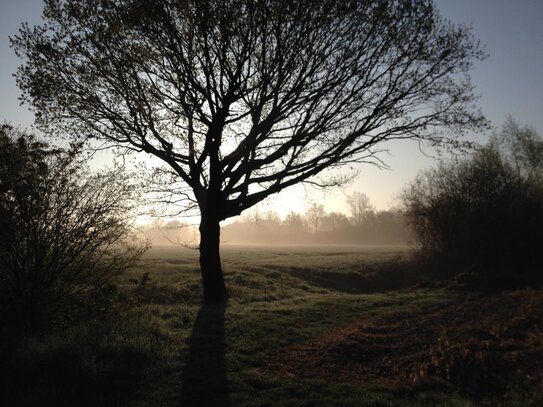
(315, 226)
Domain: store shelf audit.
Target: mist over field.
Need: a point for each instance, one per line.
(316, 226)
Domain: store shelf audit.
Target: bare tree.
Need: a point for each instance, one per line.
(315, 215)
(241, 99)
(522, 147)
(360, 206)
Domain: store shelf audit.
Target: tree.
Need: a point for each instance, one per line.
(522, 147)
(61, 231)
(294, 222)
(295, 228)
(335, 222)
(481, 213)
(360, 207)
(388, 227)
(241, 99)
(315, 215)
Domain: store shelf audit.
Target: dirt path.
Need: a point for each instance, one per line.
(473, 346)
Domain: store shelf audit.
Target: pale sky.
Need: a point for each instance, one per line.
(509, 82)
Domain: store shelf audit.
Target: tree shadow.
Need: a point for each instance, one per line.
(204, 375)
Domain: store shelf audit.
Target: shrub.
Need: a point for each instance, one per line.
(481, 214)
(62, 230)
(475, 367)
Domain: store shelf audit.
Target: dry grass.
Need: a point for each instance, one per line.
(475, 345)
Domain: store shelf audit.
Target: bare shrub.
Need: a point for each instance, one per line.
(482, 214)
(62, 231)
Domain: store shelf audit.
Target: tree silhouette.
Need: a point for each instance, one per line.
(480, 214)
(62, 231)
(241, 99)
(360, 207)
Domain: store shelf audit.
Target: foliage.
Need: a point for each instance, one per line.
(476, 366)
(241, 99)
(482, 214)
(490, 346)
(62, 231)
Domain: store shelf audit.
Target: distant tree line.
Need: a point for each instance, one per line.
(317, 226)
(363, 225)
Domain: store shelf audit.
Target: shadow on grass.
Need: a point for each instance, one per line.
(204, 375)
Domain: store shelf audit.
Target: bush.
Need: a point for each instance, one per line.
(62, 231)
(482, 214)
(475, 367)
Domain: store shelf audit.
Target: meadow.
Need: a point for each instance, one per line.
(304, 326)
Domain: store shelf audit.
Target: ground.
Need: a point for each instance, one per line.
(474, 345)
(304, 326)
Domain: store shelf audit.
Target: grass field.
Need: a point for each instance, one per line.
(304, 326)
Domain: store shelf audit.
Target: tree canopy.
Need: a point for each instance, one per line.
(243, 98)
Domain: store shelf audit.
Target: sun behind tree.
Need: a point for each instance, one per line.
(241, 99)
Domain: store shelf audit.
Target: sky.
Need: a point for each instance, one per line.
(509, 82)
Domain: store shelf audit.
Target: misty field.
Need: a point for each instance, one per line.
(304, 326)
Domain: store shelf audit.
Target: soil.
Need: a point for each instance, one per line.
(483, 345)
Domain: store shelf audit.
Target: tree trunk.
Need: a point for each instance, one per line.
(210, 260)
